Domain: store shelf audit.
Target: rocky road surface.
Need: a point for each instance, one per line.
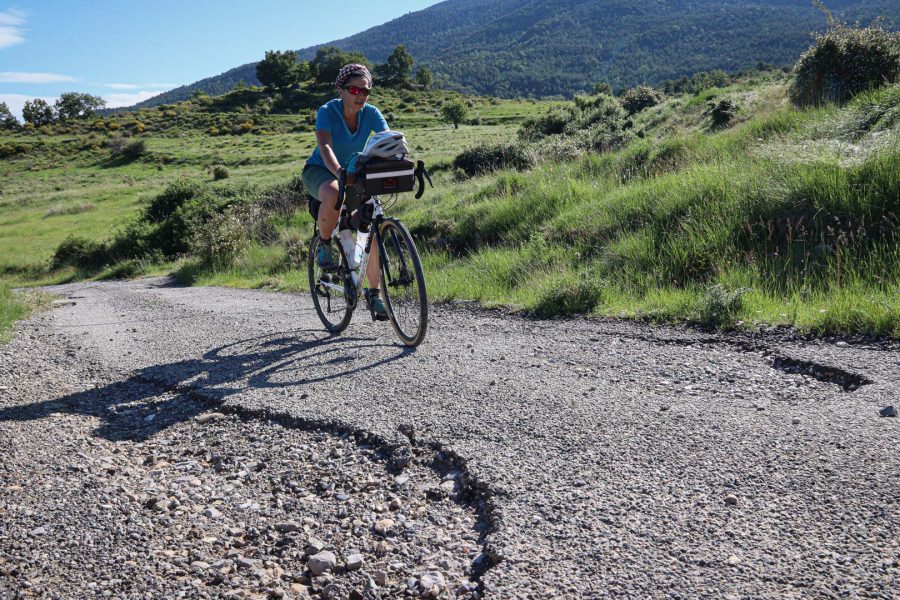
(167, 442)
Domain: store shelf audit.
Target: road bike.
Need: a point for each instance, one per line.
(336, 292)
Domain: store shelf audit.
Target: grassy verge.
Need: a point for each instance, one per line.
(15, 307)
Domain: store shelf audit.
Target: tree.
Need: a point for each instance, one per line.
(454, 111)
(38, 112)
(601, 87)
(424, 77)
(399, 65)
(72, 105)
(281, 69)
(329, 60)
(7, 120)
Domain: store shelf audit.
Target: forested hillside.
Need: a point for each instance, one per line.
(560, 47)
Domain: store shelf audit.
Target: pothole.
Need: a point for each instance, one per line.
(849, 382)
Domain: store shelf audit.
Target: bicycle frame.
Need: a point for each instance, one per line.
(374, 227)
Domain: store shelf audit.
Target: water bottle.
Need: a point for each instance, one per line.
(361, 238)
(349, 245)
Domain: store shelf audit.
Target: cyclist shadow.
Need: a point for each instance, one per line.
(157, 397)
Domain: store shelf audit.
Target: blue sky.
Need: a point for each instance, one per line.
(129, 50)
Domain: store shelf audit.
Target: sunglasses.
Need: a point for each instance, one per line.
(356, 90)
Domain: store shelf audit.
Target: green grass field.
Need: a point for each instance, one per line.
(67, 183)
(785, 216)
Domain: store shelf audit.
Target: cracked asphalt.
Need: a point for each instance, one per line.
(612, 459)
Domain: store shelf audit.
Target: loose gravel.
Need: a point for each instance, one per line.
(123, 489)
(552, 459)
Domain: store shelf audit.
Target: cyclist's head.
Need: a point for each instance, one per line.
(350, 72)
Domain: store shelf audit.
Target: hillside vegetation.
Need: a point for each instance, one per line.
(539, 48)
(768, 198)
(90, 177)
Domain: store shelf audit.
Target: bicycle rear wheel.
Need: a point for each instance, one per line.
(332, 292)
(403, 283)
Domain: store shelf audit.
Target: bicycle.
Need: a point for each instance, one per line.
(336, 293)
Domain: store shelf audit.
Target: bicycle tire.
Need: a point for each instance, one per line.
(403, 283)
(334, 318)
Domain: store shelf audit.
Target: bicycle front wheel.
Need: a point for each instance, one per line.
(403, 283)
(332, 291)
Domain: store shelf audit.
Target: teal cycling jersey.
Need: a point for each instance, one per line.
(330, 118)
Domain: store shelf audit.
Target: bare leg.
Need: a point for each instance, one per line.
(372, 269)
(328, 214)
(328, 219)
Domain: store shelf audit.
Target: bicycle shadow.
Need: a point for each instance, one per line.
(154, 398)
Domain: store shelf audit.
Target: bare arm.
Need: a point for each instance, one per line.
(323, 138)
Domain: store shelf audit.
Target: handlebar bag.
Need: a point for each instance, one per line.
(385, 176)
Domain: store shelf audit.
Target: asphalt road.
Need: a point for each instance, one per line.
(609, 459)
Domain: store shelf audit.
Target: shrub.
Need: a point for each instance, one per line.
(552, 123)
(79, 252)
(596, 122)
(718, 306)
(219, 172)
(637, 99)
(721, 111)
(220, 240)
(171, 198)
(557, 148)
(241, 128)
(295, 248)
(14, 148)
(843, 62)
(134, 150)
(120, 148)
(568, 295)
(486, 158)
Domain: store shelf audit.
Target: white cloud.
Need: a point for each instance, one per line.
(11, 32)
(117, 100)
(23, 77)
(15, 102)
(137, 86)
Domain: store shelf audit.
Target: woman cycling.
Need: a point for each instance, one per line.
(343, 126)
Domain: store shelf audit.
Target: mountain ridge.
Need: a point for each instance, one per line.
(544, 48)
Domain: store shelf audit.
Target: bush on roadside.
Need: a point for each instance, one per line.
(295, 248)
(568, 294)
(843, 62)
(171, 198)
(79, 252)
(220, 240)
(719, 306)
(486, 158)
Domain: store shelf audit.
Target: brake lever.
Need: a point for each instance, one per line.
(421, 173)
(420, 167)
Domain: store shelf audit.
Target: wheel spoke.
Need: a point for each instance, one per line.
(329, 291)
(403, 283)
